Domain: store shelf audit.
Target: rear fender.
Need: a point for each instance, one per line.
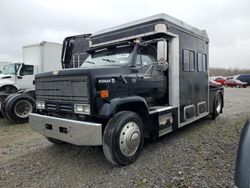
(30, 92)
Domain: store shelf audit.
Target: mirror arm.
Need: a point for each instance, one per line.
(150, 68)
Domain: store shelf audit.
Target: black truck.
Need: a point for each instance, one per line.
(142, 79)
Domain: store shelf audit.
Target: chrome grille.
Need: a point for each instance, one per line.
(63, 88)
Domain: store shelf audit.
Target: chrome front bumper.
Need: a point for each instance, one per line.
(71, 131)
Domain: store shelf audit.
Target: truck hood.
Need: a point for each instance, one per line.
(7, 82)
(94, 71)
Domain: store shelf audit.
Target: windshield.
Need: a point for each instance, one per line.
(10, 69)
(117, 55)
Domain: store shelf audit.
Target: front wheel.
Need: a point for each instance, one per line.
(123, 138)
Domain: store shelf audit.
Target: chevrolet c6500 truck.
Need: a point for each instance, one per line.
(141, 80)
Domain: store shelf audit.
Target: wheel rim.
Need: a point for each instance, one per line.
(23, 108)
(130, 139)
(218, 107)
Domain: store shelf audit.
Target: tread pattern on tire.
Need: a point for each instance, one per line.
(4, 104)
(9, 107)
(108, 137)
(215, 113)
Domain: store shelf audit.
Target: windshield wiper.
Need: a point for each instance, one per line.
(90, 62)
(109, 60)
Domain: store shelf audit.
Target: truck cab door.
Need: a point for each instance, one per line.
(25, 76)
(151, 83)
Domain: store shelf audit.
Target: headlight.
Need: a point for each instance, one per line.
(40, 104)
(82, 108)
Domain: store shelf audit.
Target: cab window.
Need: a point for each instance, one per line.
(188, 61)
(202, 62)
(147, 55)
(27, 70)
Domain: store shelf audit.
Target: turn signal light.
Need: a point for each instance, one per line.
(104, 94)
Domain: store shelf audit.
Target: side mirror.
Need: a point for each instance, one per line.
(162, 47)
(162, 50)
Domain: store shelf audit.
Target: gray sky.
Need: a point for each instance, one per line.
(27, 22)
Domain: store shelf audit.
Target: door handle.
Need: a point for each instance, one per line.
(19, 77)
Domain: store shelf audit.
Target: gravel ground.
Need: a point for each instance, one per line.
(199, 155)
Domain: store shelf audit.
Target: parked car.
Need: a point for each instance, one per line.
(214, 83)
(235, 83)
(243, 78)
(220, 79)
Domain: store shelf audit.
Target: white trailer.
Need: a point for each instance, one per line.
(45, 55)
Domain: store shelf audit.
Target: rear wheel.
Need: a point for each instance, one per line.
(218, 102)
(18, 108)
(123, 138)
(3, 105)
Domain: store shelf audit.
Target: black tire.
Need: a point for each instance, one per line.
(218, 103)
(55, 141)
(18, 107)
(113, 133)
(3, 106)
